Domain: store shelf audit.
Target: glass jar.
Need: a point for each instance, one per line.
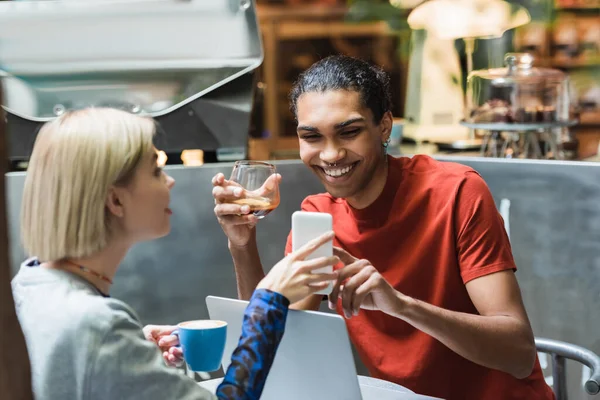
(518, 93)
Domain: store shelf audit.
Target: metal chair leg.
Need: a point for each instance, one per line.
(559, 377)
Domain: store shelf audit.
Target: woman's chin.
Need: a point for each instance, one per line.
(156, 234)
(165, 232)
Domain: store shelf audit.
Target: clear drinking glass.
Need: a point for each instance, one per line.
(260, 183)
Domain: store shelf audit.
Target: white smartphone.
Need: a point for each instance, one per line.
(310, 225)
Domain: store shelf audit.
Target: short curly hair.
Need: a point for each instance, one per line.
(341, 72)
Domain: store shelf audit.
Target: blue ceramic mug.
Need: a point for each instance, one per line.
(202, 343)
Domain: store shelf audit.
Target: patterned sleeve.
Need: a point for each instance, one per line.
(262, 330)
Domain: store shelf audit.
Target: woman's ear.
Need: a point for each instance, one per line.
(113, 202)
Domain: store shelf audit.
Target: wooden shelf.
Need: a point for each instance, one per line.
(590, 119)
(269, 149)
(576, 9)
(575, 63)
(300, 11)
(576, 5)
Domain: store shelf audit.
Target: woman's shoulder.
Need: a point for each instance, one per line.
(66, 305)
(104, 314)
(90, 321)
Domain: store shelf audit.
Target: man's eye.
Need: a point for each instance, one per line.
(310, 137)
(351, 133)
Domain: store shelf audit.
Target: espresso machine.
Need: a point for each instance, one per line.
(189, 64)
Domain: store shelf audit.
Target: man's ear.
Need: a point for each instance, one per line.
(387, 121)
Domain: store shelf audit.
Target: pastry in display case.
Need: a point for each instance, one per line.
(518, 93)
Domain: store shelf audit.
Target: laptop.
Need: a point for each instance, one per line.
(314, 359)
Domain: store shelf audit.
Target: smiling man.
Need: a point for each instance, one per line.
(427, 283)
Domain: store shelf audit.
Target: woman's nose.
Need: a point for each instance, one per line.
(170, 182)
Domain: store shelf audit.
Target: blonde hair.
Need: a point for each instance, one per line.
(76, 158)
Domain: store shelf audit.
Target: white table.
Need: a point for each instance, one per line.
(370, 389)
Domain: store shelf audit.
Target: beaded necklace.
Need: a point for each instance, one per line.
(89, 271)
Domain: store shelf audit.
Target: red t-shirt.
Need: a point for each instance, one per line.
(434, 227)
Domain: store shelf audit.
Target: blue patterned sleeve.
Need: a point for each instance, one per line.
(262, 330)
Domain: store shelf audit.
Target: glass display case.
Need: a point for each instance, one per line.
(518, 93)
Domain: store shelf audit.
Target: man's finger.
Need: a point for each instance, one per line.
(269, 186)
(352, 269)
(346, 257)
(237, 219)
(222, 210)
(362, 291)
(350, 288)
(335, 291)
(343, 274)
(227, 194)
(219, 180)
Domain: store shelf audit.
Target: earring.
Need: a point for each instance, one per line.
(386, 143)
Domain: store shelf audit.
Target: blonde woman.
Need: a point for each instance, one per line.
(93, 189)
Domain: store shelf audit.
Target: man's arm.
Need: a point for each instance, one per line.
(15, 372)
(500, 337)
(239, 224)
(248, 268)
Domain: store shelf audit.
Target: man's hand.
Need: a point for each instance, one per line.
(360, 285)
(237, 221)
(162, 336)
(498, 337)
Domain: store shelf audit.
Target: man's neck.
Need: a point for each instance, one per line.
(373, 190)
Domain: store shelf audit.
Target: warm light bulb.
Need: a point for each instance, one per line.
(192, 157)
(162, 158)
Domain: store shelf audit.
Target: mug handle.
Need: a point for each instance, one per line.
(176, 333)
(186, 369)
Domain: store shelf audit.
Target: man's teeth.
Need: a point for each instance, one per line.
(339, 171)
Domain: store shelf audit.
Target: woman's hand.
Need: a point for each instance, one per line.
(292, 277)
(162, 336)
